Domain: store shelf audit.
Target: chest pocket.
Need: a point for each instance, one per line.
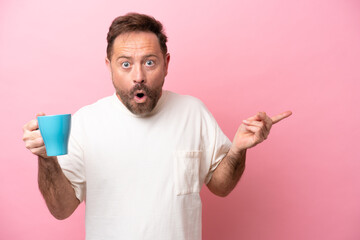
(186, 172)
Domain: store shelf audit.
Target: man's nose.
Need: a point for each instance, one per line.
(138, 75)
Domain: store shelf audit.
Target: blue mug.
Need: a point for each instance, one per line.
(55, 130)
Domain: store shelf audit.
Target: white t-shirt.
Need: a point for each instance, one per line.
(141, 176)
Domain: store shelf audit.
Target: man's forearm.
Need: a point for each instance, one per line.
(56, 189)
(228, 173)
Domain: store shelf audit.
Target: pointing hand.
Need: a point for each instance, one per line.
(255, 129)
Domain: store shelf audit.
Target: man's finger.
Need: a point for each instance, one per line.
(253, 118)
(268, 123)
(258, 117)
(38, 142)
(252, 129)
(31, 126)
(31, 135)
(253, 123)
(262, 115)
(40, 151)
(281, 116)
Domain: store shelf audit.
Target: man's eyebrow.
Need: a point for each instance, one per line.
(145, 56)
(150, 55)
(123, 56)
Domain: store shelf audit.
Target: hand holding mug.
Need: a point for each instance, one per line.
(33, 139)
(48, 135)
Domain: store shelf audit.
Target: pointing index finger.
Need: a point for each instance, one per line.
(278, 118)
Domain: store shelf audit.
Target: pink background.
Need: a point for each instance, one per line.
(239, 57)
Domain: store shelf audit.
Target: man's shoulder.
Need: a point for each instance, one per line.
(96, 107)
(188, 107)
(184, 100)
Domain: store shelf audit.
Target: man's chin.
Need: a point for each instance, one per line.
(141, 109)
(139, 106)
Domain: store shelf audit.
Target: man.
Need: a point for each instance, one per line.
(140, 157)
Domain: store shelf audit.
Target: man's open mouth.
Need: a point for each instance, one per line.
(140, 97)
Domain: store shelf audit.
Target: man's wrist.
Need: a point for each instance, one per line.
(236, 159)
(48, 162)
(236, 152)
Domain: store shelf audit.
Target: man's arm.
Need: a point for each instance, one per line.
(253, 131)
(227, 174)
(56, 189)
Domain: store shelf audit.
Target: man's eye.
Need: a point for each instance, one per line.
(125, 64)
(149, 63)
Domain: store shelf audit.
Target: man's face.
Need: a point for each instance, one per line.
(138, 69)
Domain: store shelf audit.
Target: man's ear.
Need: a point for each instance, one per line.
(108, 63)
(167, 61)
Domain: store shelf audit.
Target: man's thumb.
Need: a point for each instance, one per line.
(40, 114)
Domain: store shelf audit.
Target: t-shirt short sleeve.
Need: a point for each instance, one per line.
(218, 151)
(72, 164)
(217, 144)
